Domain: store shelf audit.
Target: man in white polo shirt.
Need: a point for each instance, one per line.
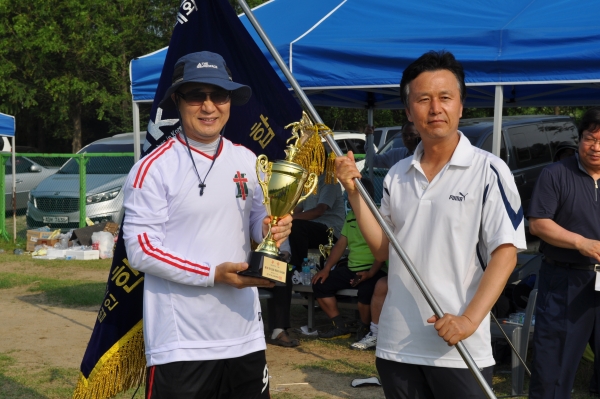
(455, 210)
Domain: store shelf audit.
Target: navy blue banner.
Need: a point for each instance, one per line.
(258, 125)
(202, 25)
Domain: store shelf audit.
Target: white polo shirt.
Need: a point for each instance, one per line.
(448, 227)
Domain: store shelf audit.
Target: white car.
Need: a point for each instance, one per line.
(352, 141)
(382, 135)
(28, 175)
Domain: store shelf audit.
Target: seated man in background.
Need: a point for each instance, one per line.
(362, 271)
(312, 218)
(369, 341)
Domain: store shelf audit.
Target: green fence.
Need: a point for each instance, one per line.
(61, 190)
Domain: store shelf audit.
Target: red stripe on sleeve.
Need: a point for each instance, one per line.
(163, 257)
(145, 161)
(145, 166)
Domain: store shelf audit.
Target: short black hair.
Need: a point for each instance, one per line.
(407, 124)
(368, 186)
(433, 61)
(590, 121)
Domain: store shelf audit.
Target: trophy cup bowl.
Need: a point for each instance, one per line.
(282, 188)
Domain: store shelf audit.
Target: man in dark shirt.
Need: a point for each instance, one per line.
(565, 213)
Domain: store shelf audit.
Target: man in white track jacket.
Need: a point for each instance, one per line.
(191, 207)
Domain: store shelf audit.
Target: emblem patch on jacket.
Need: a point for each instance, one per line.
(242, 188)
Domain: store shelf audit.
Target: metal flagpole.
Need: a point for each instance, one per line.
(511, 344)
(361, 189)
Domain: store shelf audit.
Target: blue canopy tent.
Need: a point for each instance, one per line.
(7, 129)
(351, 53)
(7, 125)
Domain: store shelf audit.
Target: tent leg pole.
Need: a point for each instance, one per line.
(370, 139)
(14, 191)
(460, 346)
(136, 131)
(497, 132)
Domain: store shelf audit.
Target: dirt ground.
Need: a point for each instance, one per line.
(36, 333)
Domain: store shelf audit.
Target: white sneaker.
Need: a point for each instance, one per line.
(368, 342)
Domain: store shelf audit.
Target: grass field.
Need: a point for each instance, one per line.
(81, 284)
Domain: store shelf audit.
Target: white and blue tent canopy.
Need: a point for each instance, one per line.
(351, 53)
(7, 125)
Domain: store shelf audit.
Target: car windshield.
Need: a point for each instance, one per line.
(102, 165)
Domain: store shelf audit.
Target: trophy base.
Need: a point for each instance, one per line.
(267, 266)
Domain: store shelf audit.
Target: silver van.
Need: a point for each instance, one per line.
(55, 201)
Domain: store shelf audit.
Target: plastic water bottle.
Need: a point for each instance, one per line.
(313, 267)
(305, 272)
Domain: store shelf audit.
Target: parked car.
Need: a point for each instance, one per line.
(28, 175)
(5, 144)
(528, 144)
(352, 141)
(55, 201)
(382, 135)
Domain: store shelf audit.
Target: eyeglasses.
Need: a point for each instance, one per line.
(197, 97)
(589, 141)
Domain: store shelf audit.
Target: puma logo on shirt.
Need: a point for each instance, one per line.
(459, 198)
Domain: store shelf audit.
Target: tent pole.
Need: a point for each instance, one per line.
(460, 346)
(136, 131)
(370, 139)
(14, 190)
(497, 132)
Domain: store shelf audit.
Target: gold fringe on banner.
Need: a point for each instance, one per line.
(308, 150)
(122, 367)
(330, 170)
(311, 156)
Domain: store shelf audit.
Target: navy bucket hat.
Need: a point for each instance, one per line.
(205, 67)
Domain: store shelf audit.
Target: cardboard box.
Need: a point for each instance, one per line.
(49, 242)
(111, 227)
(33, 236)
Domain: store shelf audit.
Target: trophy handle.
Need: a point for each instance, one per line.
(262, 165)
(310, 182)
(323, 251)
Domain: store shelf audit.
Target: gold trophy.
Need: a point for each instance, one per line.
(282, 186)
(325, 250)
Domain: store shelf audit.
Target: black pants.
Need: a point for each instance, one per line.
(413, 381)
(245, 377)
(278, 307)
(567, 312)
(306, 234)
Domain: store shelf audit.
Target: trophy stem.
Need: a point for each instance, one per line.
(269, 245)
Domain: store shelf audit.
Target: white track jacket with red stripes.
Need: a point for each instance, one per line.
(178, 237)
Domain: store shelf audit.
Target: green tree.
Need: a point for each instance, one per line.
(63, 62)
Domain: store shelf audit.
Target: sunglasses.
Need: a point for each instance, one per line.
(197, 97)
